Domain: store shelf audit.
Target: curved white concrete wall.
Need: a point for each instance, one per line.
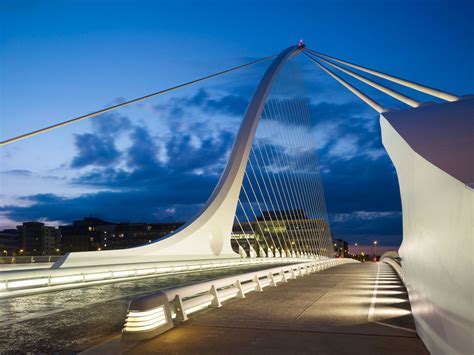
(437, 248)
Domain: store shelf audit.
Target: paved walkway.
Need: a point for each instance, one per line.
(349, 309)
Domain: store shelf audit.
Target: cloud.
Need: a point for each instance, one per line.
(94, 150)
(17, 172)
(144, 152)
(345, 147)
(98, 148)
(109, 124)
(365, 215)
(229, 104)
(130, 206)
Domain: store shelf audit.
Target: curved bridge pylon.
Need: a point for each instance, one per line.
(281, 228)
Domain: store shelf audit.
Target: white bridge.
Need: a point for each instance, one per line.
(272, 208)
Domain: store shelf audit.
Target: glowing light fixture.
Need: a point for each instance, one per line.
(147, 317)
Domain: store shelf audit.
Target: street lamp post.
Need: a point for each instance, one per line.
(375, 250)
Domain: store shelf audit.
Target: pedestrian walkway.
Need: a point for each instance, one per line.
(349, 309)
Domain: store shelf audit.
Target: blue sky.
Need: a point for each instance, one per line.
(160, 160)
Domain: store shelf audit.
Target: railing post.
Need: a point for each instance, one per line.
(283, 276)
(258, 287)
(215, 303)
(241, 293)
(272, 279)
(179, 309)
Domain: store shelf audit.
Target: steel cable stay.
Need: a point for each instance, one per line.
(318, 197)
(285, 192)
(284, 251)
(260, 248)
(409, 84)
(289, 108)
(269, 250)
(368, 100)
(280, 205)
(315, 190)
(263, 215)
(281, 173)
(302, 189)
(249, 203)
(289, 251)
(293, 181)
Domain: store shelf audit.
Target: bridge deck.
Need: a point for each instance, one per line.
(331, 312)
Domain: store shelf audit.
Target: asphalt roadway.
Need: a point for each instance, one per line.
(349, 309)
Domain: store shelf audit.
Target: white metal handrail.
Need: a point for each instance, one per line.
(41, 280)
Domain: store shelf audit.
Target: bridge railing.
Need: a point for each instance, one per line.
(19, 282)
(151, 315)
(29, 259)
(394, 264)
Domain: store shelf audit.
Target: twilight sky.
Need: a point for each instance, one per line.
(159, 160)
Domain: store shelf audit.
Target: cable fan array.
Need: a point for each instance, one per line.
(281, 210)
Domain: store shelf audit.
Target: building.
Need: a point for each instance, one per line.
(341, 248)
(82, 235)
(95, 234)
(289, 230)
(38, 239)
(127, 235)
(10, 242)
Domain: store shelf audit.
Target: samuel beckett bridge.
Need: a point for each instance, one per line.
(266, 224)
